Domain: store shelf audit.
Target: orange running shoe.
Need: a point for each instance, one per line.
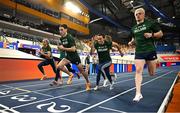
(88, 86)
(70, 79)
(43, 77)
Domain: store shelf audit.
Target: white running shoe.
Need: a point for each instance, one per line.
(57, 83)
(137, 98)
(115, 76)
(60, 82)
(54, 83)
(105, 83)
(96, 88)
(111, 86)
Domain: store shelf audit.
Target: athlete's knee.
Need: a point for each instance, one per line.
(139, 70)
(39, 65)
(101, 68)
(60, 67)
(81, 70)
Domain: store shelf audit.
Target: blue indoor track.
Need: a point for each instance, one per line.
(39, 96)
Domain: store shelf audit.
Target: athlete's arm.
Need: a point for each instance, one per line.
(48, 55)
(131, 42)
(114, 44)
(41, 51)
(92, 46)
(157, 35)
(92, 49)
(71, 49)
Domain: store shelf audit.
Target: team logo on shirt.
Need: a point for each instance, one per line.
(140, 28)
(64, 42)
(102, 49)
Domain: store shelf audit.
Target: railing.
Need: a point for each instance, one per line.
(122, 61)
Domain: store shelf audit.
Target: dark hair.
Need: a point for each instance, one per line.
(64, 26)
(101, 34)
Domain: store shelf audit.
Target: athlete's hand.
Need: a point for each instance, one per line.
(92, 39)
(61, 47)
(40, 52)
(148, 35)
(130, 43)
(37, 51)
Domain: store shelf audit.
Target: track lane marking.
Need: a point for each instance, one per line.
(97, 104)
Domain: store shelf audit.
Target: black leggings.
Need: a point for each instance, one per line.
(104, 69)
(70, 69)
(99, 76)
(94, 68)
(45, 63)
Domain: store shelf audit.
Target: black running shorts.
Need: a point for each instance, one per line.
(146, 56)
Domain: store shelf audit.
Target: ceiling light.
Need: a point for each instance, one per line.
(72, 7)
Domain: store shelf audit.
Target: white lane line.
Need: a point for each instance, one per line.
(123, 75)
(48, 89)
(3, 88)
(42, 94)
(23, 90)
(39, 84)
(8, 87)
(75, 101)
(25, 86)
(28, 91)
(62, 96)
(35, 84)
(166, 99)
(112, 109)
(95, 105)
(83, 103)
(18, 88)
(44, 83)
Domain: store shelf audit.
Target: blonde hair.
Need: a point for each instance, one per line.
(140, 9)
(46, 40)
